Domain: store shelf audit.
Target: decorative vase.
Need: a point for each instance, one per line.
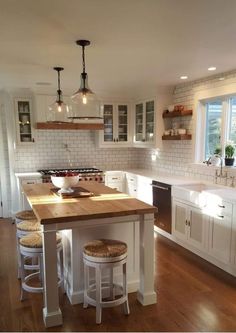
(229, 161)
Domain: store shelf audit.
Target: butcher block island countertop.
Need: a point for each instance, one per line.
(108, 214)
(106, 202)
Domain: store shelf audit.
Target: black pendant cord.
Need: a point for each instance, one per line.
(59, 92)
(83, 59)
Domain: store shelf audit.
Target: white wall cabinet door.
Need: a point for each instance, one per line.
(144, 127)
(24, 121)
(116, 131)
(220, 233)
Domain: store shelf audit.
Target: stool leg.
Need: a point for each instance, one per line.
(112, 289)
(86, 285)
(98, 296)
(125, 290)
(22, 275)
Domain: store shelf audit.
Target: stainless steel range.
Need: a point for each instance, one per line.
(86, 174)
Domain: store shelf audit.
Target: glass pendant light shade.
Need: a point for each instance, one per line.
(58, 111)
(85, 103)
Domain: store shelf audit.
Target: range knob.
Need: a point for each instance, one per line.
(96, 179)
(90, 178)
(85, 178)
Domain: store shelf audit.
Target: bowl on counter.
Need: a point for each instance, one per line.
(65, 180)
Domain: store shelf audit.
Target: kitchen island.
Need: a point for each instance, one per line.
(107, 214)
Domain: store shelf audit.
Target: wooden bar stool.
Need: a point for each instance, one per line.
(24, 215)
(31, 246)
(24, 228)
(104, 254)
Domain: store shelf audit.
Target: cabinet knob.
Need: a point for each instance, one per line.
(186, 222)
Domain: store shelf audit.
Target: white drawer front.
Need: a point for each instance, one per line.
(114, 178)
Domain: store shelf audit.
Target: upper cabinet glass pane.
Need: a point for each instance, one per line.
(139, 122)
(213, 127)
(108, 122)
(123, 123)
(149, 107)
(24, 120)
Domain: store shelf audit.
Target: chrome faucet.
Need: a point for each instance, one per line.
(220, 174)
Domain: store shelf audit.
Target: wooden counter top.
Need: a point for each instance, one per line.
(107, 202)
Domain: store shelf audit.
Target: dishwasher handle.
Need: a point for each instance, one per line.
(160, 187)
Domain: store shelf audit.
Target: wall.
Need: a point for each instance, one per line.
(177, 157)
(59, 149)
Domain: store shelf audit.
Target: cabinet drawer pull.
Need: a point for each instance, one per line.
(186, 222)
(220, 216)
(114, 178)
(221, 206)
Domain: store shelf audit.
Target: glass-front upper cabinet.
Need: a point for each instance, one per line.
(145, 123)
(116, 131)
(24, 121)
(122, 123)
(149, 132)
(108, 116)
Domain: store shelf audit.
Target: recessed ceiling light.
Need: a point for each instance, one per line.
(221, 78)
(183, 77)
(212, 68)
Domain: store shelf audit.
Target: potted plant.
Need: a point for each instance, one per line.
(229, 155)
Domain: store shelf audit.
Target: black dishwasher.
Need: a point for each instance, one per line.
(162, 200)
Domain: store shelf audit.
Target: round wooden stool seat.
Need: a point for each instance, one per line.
(105, 254)
(25, 215)
(29, 225)
(105, 248)
(35, 240)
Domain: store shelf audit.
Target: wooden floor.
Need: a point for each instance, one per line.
(193, 295)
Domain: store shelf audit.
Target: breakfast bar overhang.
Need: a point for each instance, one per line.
(83, 218)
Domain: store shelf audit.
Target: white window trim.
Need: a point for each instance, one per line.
(201, 97)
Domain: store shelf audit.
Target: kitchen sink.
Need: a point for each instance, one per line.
(200, 187)
(195, 193)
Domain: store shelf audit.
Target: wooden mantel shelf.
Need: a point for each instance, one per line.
(177, 114)
(69, 126)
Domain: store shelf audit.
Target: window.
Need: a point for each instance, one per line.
(213, 127)
(220, 125)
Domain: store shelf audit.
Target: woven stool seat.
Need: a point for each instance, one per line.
(35, 240)
(25, 215)
(29, 225)
(105, 248)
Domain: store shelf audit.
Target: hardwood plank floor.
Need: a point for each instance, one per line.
(193, 295)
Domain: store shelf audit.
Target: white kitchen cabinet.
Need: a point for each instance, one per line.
(24, 121)
(189, 224)
(144, 189)
(116, 131)
(115, 180)
(132, 184)
(220, 233)
(22, 179)
(144, 128)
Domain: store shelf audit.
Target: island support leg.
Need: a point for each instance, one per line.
(146, 294)
(51, 312)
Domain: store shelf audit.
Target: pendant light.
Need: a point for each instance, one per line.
(85, 102)
(58, 111)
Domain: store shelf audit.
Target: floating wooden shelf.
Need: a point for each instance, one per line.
(177, 114)
(177, 137)
(69, 126)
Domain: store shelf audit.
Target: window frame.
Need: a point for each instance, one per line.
(225, 124)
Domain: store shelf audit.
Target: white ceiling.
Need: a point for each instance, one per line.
(136, 45)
